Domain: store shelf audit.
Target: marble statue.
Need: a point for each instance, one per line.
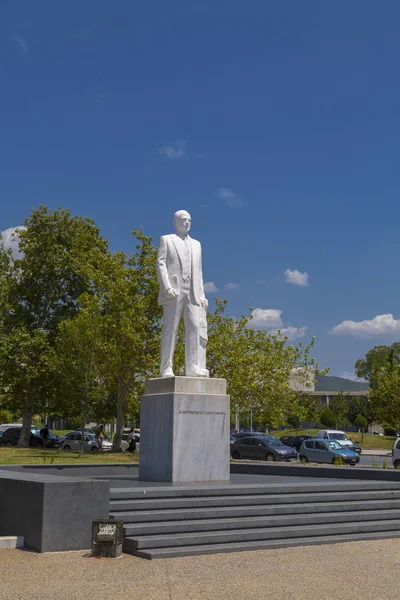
(180, 276)
(203, 338)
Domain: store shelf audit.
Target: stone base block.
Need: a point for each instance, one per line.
(184, 430)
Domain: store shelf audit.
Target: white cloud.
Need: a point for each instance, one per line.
(174, 150)
(232, 199)
(351, 375)
(295, 277)
(21, 43)
(379, 325)
(210, 286)
(232, 286)
(271, 319)
(260, 281)
(291, 332)
(11, 241)
(265, 318)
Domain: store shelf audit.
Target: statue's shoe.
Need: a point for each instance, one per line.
(168, 373)
(197, 372)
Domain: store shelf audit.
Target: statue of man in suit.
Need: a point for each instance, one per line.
(180, 275)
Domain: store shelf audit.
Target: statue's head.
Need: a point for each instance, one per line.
(182, 222)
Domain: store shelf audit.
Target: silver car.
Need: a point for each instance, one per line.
(72, 441)
(327, 451)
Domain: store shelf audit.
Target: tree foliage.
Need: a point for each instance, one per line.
(43, 286)
(359, 406)
(302, 407)
(385, 396)
(124, 293)
(339, 406)
(327, 417)
(375, 359)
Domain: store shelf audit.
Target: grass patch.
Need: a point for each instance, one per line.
(35, 456)
(371, 441)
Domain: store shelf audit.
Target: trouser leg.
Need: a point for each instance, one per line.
(172, 314)
(202, 354)
(192, 322)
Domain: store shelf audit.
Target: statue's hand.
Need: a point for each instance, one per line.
(203, 303)
(171, 293)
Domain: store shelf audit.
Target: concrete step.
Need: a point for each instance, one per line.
(189, 491)
(251, 499)
(156, 516)
(257, 534)
(11, 541)
(153, 553)
(239, 523)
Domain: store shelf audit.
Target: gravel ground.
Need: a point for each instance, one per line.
(364, 570)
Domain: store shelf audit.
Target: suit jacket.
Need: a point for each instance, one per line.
(169, 267)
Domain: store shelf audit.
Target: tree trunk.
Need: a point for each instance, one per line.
(25, 435)
(83, 429)
(121, 404)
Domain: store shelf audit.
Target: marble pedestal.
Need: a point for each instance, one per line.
(184, 430)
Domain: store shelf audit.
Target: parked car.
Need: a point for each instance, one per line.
(295, 441)
(72, 441)
(107, 445)
(86, 430)
(339, 436)
(326, 451)
(241, 434)
(11, 437)
(396, 453)
(262, 447)
(34, 429)
(5, 426)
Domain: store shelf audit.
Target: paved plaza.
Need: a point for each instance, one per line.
(367, 570)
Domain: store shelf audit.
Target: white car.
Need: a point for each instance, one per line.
(106, 446)
(72, 441)
(396, 453)
(335, 434)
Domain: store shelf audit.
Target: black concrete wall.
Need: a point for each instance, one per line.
(53, 513)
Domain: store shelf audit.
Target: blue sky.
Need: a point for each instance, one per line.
(276, 124)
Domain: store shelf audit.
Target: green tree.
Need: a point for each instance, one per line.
(327, 417)
(359, 405)
(385, 396)
(125, 291)
(375, 359)
(361, 422)
(302, 407)
(339, 406)
(78, 362)
(256, 365)
(43, 287)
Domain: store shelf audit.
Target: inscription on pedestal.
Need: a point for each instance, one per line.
(185, 434)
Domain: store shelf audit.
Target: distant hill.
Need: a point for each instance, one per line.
(329, 383)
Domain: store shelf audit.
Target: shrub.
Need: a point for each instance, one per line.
(327, 417)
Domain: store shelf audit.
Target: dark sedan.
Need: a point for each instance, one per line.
(262, 447)
(11, 437)
(243, 434)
